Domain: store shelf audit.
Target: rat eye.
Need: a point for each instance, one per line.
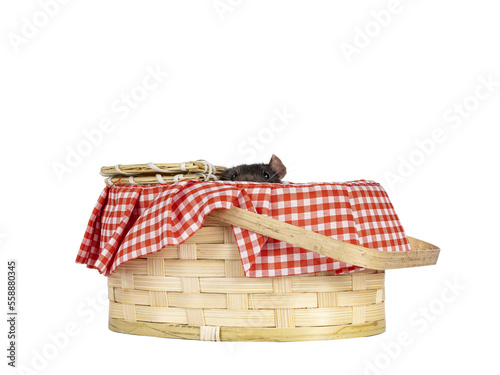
(233, 176)
(266, 175)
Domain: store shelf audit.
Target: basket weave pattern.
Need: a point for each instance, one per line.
(198, 290)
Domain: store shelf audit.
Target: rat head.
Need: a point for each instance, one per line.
(272, 172)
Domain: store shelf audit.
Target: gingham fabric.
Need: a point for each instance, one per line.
(131, 221)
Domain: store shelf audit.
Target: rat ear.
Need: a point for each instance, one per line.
(277, 166)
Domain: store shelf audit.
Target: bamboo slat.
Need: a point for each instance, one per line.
(153, 179)
(249, 334)
(161, 173)
(198, 290)
(174, 168)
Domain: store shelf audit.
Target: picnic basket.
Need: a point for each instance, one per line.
(197, 290)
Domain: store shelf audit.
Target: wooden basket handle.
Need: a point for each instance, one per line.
(422, 254)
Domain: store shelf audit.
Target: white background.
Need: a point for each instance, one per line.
(358, 115)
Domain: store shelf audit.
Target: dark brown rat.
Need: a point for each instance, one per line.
(261, 172)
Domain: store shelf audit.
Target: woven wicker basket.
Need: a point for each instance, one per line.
(198, 290)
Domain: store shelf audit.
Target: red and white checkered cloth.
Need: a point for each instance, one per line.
(131, 221)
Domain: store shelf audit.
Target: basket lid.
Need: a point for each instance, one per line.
(160, 173)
